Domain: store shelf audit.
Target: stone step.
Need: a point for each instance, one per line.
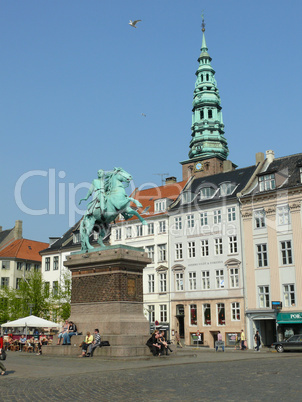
(108, 351)
(114, 340)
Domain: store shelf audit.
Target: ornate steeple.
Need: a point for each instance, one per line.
(208, 139)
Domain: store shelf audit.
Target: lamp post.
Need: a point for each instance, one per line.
(30, 305)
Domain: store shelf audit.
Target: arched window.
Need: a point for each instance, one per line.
(207, 77)
(210, 114)
(201, 114)
(201, 78)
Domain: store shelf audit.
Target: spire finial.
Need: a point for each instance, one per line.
(203, 25)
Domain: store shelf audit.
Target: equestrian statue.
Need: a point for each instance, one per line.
(109, 200)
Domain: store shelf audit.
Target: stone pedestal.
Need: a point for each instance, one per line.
(107, 293)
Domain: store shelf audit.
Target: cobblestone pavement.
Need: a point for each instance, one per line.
(189, 376)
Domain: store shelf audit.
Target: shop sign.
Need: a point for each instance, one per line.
(286, 318)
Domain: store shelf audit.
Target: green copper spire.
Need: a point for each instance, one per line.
(207, 125)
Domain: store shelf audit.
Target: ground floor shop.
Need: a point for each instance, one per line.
(198, 322)
(288, 324)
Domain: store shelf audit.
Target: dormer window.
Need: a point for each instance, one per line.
(227, 188)
(206, 192)
(76, 237)
(300, 174)
(187, 197)
(267, 182)
(160, 205)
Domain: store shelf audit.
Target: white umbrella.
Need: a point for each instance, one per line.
(30, 321)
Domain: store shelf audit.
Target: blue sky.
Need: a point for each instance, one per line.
(76, 78)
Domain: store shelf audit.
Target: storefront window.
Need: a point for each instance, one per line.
(196, 338)
(193, 314)
(230, 338)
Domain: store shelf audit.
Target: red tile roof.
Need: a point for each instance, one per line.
(24, 249)
(148, 196)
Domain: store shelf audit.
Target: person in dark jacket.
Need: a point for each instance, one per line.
(153, 343)
(2, 367)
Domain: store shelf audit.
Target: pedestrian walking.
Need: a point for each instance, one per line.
(242, 338)
(177, 339)
(2, 367)
(257, 341)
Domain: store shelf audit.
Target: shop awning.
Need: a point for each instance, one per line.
(289, 318)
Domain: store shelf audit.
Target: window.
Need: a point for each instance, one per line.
(218, 246)
(139, 230)
(27, 266)
(227, 189)
(286, 252)
(283, 215)
(4, 282)
(235, 311)
(187, 197)
(128, 232)
(205, 280)
(220, 314)
(118, 234)
(19, 266)
(151, 311)
(151, 283)
(289, 295)
(55, 263)
(162, 252)
(190, 221)
(206, 192)
(233, 244)
(76, 238)
(46, 288)
(300, 174)
(219, 279)
(178, 223)
(150, 228)
(193, 314)
(191, 249)
(163, 312)
(162, 226)
(37, 267)
(163, 282)
(18, 281)
(204, 248)
(234, 277)
(150, 252)
(192, 280)
(217, 216)
(160, 206)
(201, 112)
(262, 255)
(204, 218)
(267, 182)
(259, 217)
(178, 251)
(5, 264)
(263, 295)
(231, 214)
(179, 281)
(55, 288)
(206, 314)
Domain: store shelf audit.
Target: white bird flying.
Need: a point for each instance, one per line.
(133, 23)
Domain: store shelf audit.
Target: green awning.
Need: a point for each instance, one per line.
(289, 318)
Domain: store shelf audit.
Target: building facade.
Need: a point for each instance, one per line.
(272, 230)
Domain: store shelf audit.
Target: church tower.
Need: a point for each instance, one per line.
(208, 146)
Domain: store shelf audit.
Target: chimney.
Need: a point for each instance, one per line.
(170, 180)
(259, 157)
(227, 166)
(18, 230)
(270, 156)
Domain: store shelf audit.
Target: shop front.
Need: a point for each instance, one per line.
(288, 324)
(263, 321)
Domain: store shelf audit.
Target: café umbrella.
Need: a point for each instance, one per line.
(30, 321)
